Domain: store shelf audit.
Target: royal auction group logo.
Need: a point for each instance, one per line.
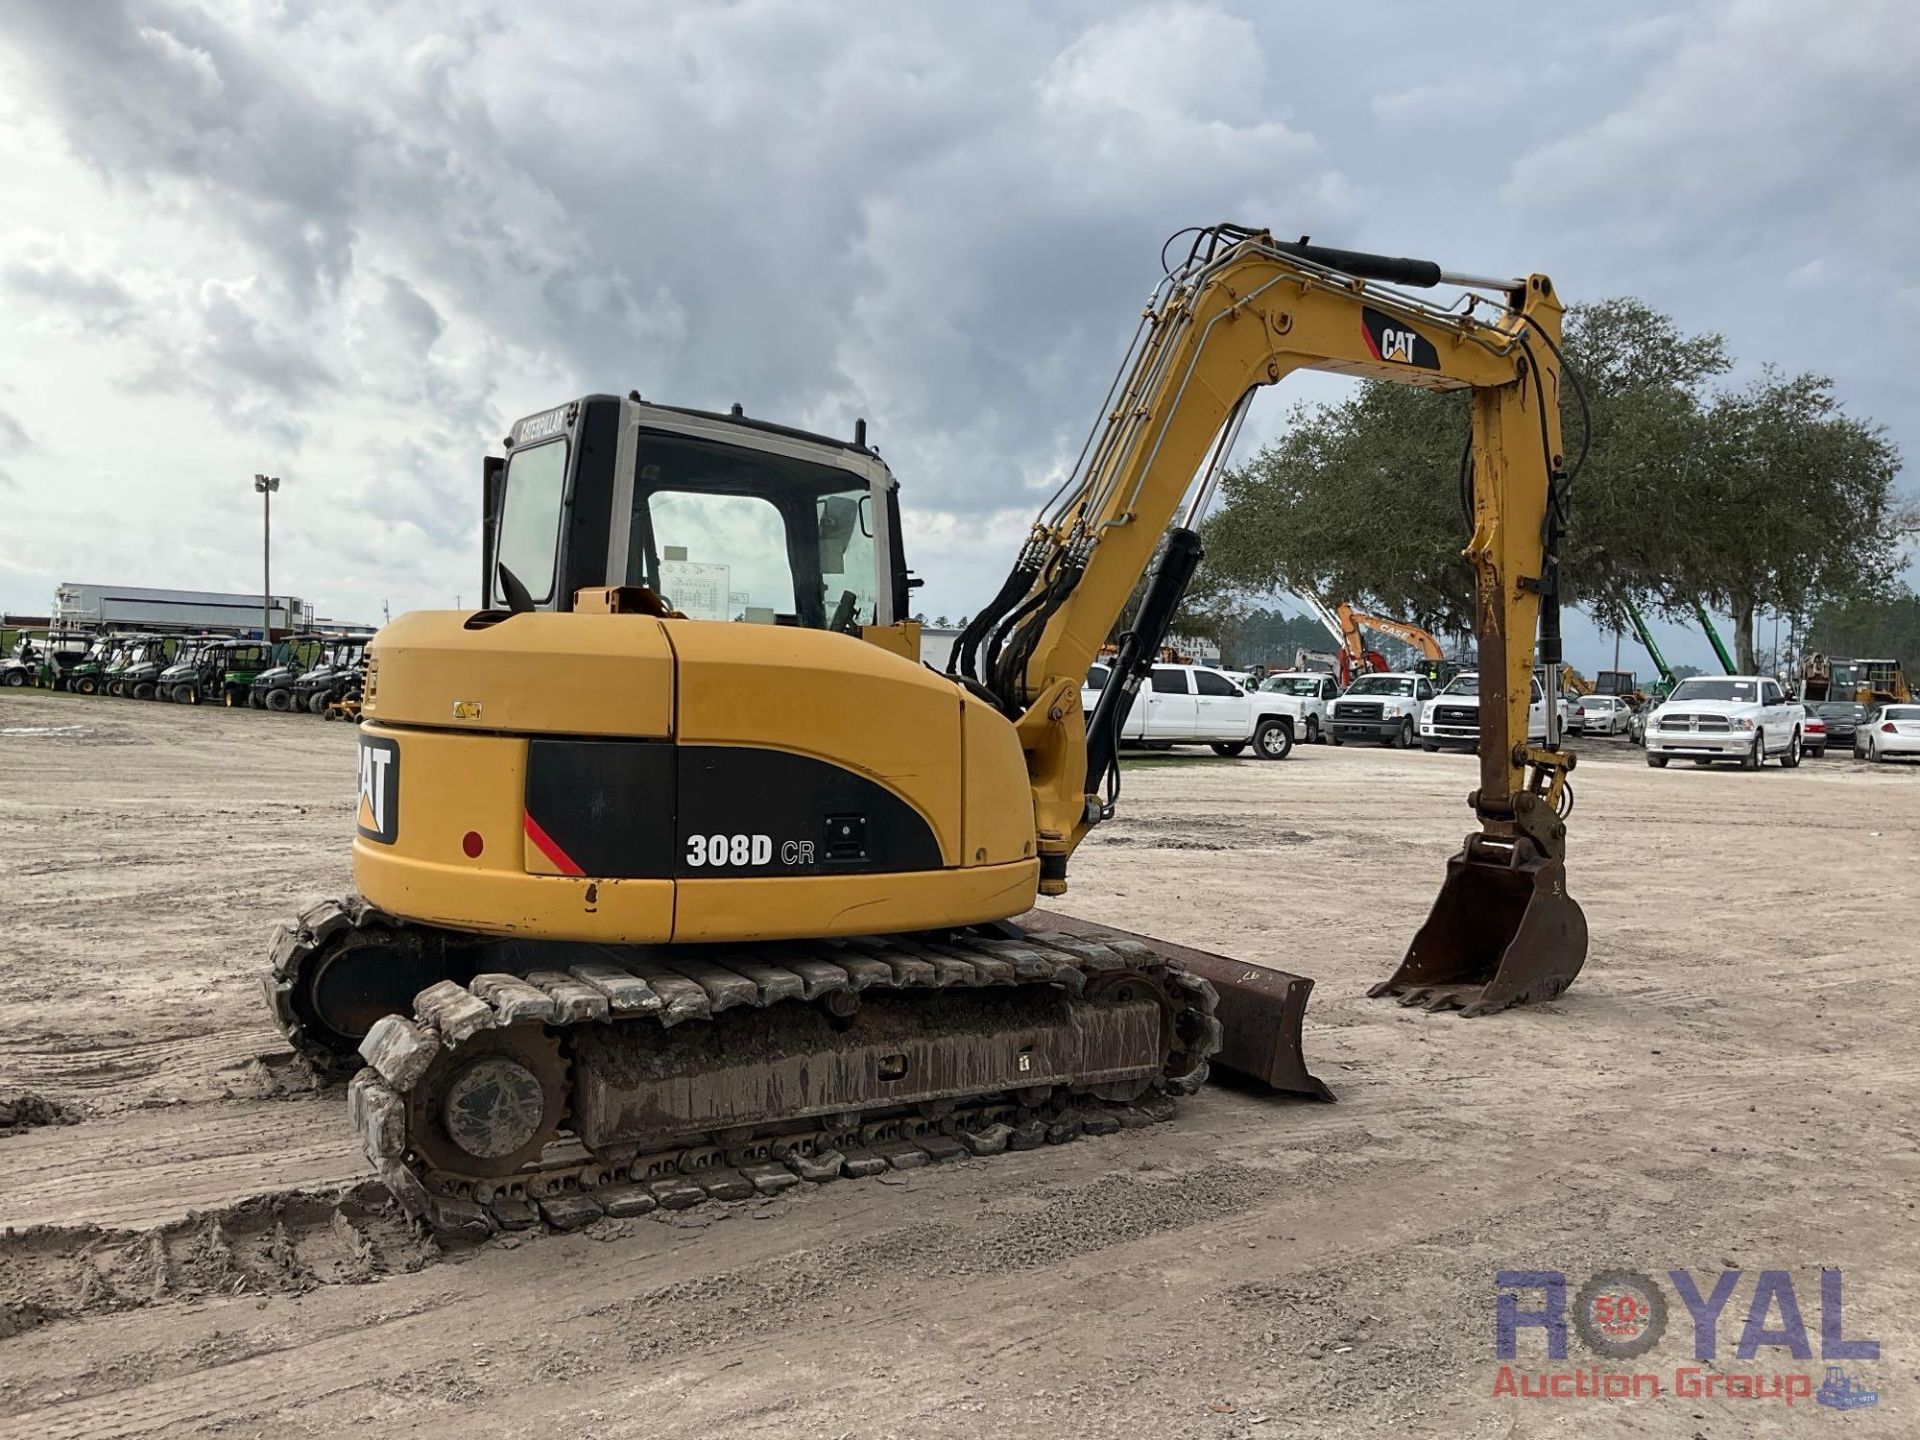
(1620, 1316)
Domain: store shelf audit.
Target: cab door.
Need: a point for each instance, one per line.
(1170, 707)
(1222, 710)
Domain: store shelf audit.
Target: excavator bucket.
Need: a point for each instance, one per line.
(1503, 932)
(1260, 1009)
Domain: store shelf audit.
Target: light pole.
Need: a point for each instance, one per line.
(266, 485)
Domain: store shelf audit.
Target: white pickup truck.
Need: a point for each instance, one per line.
(1306, 695)
(1381, 707)
(1197, 705)
(1452, 718)
(1726, 717)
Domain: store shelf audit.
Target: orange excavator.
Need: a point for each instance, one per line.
(1347, 626)
(1351, 655)
(1354, 622)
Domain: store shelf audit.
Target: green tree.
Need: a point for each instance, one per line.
(1645, 381)
(1869, 628)
(1361, 500)
(1354, 501)
(1766, 496)
(1789, 500)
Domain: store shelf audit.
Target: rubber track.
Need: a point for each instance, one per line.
(293, 948)
(570, 1187)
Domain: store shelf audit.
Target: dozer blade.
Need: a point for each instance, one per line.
(1503, 932)
(1260, 1009)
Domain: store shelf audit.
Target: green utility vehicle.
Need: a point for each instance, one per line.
(273, 688)
(245, 660)
(338, 668)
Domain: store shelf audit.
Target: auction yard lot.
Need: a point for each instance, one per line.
(1730, 1084)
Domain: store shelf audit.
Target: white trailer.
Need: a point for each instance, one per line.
(132, 607)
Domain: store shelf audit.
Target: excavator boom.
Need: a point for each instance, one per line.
(1412, 635)
(1242, 312)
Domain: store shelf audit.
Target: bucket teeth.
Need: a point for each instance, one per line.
(1503, 931)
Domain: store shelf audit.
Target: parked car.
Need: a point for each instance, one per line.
(1843, 717)
(1308, 696)
(1196, 704)
(1726, 717)
(1452, 720)
(1599, 715)
(1889, 731)
(1813, 732)
(1381, 707)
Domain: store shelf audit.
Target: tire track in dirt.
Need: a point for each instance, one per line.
(284, 1243)
(145, 1168)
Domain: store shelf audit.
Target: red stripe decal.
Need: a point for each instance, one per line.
(1367, 335)
(548, 847)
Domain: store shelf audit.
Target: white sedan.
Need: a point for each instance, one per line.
(1600, 715)
(1889, 731)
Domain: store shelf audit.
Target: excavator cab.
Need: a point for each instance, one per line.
(720, 517)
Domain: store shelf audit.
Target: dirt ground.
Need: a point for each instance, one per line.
(1731, 1083)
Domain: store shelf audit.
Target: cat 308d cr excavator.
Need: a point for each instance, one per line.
(654, 904)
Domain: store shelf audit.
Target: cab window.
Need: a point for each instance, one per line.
(530, 517)
(1209, 683)
(1169, 681)
(725, 532)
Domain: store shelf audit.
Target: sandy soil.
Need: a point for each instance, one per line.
(1730, 1083)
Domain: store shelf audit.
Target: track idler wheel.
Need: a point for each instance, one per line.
(1503, 932)
(490, 1105)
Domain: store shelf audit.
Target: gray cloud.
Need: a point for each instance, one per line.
(365, 237)
(100, 299)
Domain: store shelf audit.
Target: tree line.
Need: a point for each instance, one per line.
(1752, 496)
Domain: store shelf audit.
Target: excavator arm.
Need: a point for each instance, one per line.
(1400, 630)
(1348, 645)
(1244, 311)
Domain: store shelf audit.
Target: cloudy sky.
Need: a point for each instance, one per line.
(349, 242)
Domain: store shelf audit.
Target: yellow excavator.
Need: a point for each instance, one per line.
(679, 876)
